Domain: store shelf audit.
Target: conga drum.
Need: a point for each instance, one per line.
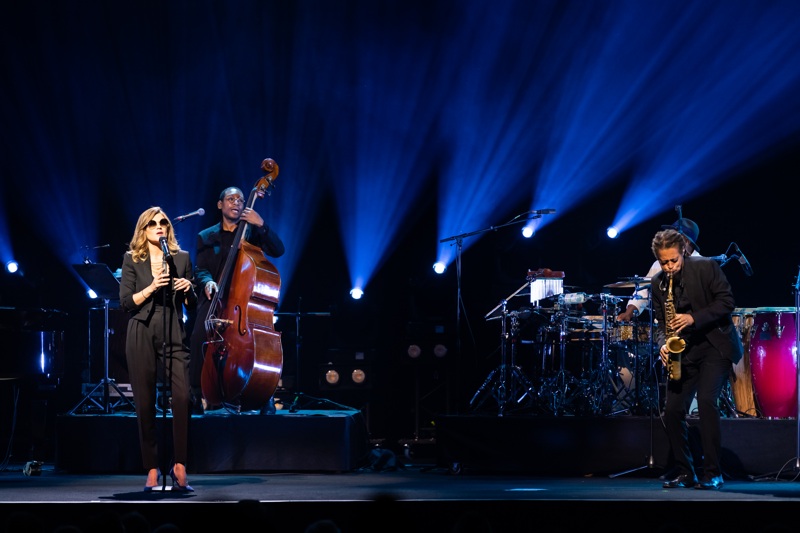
(742, 380)
(772, 361)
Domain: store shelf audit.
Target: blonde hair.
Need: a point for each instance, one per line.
(138, 245)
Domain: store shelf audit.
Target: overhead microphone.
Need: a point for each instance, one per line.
(199, 212)
(748, 270)
(542, 212)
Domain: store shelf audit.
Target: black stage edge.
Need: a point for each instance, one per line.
(304, 441)
(580, 446)
(338, 441)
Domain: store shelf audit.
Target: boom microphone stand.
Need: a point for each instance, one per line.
(651, 462)
(298, 390)
(459, 239)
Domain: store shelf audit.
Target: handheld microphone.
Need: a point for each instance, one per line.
(748, 270)
(199, 212)
(164, 247)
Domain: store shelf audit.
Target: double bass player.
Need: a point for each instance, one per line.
(213, 246)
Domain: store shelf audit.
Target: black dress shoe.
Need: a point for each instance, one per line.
(710, 483)
(684, 481)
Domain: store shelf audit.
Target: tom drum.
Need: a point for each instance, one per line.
(773, 361)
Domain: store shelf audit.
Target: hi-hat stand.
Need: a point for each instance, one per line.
(507, 381)
(560, 390)
(608, 393)
(100, 279)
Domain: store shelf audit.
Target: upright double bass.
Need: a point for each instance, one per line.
(243, 352)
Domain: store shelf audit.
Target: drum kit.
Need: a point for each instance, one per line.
(584, 364)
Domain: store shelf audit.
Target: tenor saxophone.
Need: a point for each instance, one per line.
(675, 344)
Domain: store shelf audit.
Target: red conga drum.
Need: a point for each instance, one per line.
(773, 361)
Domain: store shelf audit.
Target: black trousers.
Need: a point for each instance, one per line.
(144, 351)
(704, 371)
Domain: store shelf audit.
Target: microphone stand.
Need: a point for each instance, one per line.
(298, 391)
(651, 461)
(459, 240)
(166, 378)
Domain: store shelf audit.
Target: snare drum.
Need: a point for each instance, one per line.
(773, 361)
(590, 328)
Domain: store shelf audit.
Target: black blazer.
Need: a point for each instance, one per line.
(137, 276)
(711, 298)
(209, 257)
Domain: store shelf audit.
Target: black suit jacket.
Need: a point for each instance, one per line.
(711, 299)
(209, 255)
(137, 276)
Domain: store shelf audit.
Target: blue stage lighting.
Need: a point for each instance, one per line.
(612, 232)
(92, 294)
(439, 267)
(528, 232)
(12, 267)
(356, 293)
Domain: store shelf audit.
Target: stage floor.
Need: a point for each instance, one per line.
(510, 473)
(412, 497)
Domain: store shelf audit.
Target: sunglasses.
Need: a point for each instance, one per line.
(164, 223)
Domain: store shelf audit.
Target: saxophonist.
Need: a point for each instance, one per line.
(699, 306)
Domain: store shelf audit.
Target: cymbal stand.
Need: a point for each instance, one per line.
(506, 381)
(608, 390)
(564, 378)
(556, 390)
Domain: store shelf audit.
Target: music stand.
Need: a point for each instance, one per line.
(100, 279)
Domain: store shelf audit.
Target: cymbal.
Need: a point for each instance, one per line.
(630, 283)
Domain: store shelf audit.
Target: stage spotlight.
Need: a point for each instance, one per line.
(12, 267)
(440, 350)
(356, 293)
(332, 377)
(358, 376)
(528, 232)
(414, 351)
(612, 232)
(439, 267)
(91, 294)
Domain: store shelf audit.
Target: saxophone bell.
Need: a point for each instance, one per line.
(676, 345)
